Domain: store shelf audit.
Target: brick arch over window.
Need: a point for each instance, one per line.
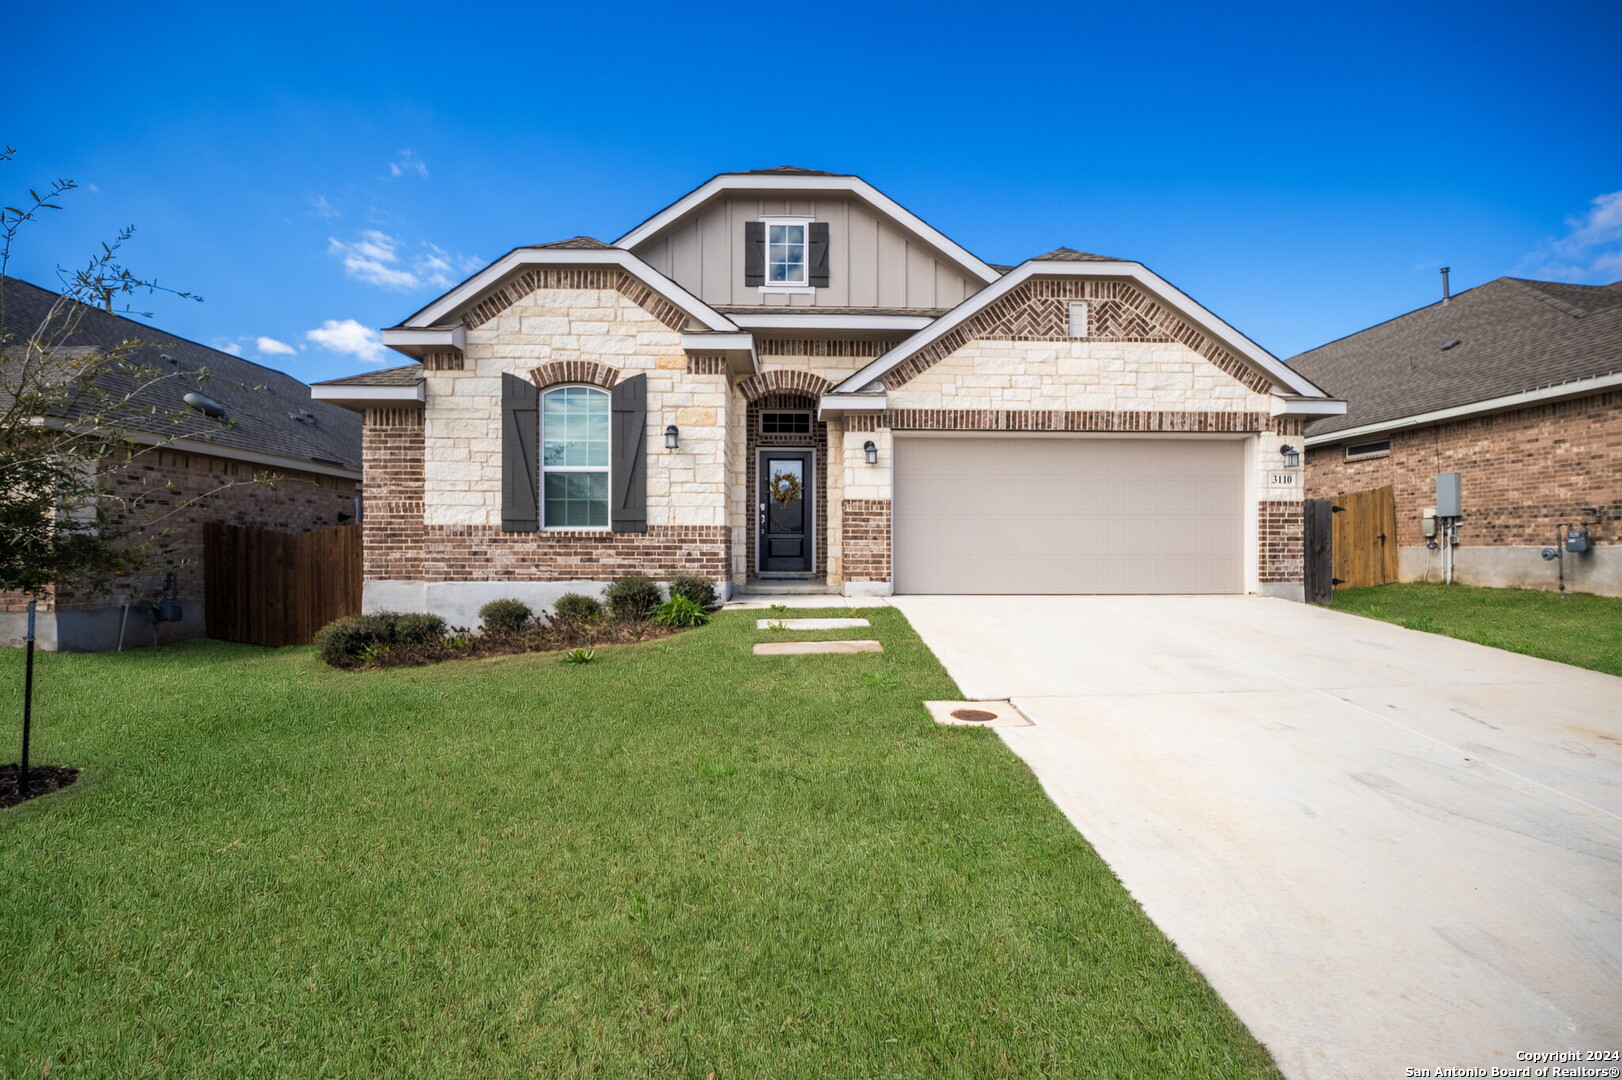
(575, 371)
(756, 387)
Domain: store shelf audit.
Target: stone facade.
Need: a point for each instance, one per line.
(1522, 473)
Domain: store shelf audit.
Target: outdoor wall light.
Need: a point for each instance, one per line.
(1292, 456)
(871, 451)
(672, 437)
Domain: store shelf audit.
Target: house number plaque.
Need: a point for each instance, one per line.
(1281, 479)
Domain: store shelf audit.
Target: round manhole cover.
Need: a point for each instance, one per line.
(973, 716)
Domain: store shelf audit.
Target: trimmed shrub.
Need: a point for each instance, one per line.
(362, 638)
(700, 590)
(573, 607)
(680, 611)
(632, 595)
(504, 616)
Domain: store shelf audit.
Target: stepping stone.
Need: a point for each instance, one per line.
(810, 624)
(976, 714)
(794, 648)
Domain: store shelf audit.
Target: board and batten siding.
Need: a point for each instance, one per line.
(871, 261)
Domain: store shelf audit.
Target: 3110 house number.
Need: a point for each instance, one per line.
(1281, 479)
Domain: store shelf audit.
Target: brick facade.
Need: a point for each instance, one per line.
(865, 539)
(1281, 536)
(392, 448)
(1522, 471)
(485, 553)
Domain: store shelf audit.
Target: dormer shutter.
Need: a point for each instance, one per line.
(754, 253)
(817, 269)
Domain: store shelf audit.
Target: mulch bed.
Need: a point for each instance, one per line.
(42, 780)
(557, 636)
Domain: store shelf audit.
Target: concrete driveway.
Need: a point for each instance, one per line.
(1386, 849)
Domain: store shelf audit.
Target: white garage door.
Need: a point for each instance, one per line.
(1069, 515)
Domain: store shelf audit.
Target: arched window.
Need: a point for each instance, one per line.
(574, 458)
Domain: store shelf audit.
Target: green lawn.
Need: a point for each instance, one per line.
(678, 861)
(1578, 629)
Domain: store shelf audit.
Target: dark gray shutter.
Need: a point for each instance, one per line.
(520, 458)
(628, 465)
(818, 265)
(754, 253)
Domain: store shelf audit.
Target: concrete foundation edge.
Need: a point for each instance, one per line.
(1598, 571)
(97, 629)
(1285, 590)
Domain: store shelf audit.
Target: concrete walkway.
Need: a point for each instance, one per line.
(1386, 849)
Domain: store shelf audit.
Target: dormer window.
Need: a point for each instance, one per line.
(785, 253)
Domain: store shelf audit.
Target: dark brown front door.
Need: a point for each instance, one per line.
(784, 515)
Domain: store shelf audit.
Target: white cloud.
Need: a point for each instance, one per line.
(408, 162)
(349, 338)
(376, 258)
(1591, 250)
(233, 348)
(320, 207)
(269, 346)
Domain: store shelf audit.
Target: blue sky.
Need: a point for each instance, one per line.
(316, 172)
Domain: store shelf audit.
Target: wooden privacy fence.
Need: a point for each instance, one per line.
(1365, 538)
(275, 588)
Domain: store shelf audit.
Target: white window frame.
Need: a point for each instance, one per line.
(607, 470)
(1365, 454)
(1076, 318)
(804, 284)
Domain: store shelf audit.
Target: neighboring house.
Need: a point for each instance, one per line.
(1517, 386)
(787, 375)
(270, 428)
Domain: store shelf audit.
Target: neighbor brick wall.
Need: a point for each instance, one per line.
(168, 495)
(865, 539)
(1281, 535)
(1522, 471)
(392, 447)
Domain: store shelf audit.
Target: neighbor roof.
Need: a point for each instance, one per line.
(260, 402)
(1512, 336)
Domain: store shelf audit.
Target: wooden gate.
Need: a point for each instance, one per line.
(275, 588)
(1317, 536)
(1365, 540)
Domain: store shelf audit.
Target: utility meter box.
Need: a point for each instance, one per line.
(1449, 495)
(1576, 540)
(1427, 522)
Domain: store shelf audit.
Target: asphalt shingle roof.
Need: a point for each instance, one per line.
(260, 402)
(1064, 254)
(1513, 335)
(588, 243)
(408, 375)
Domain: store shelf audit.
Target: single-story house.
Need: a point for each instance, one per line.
(1517, 386)
(193, 461)
(785, 374)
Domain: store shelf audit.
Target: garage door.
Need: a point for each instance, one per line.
(1069, 515)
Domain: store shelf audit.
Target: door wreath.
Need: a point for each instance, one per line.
(784, 487)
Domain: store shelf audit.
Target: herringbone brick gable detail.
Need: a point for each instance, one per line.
(756, 387)
(817, 347)
(524, 282)
(575, 371)
(1062, 420)
(443, 360)
(1038, 310)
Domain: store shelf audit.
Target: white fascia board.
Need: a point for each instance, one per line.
(445, 337)
(717, 341)
(810, 321)
(1507, 403)
(343, 393)
(843, 403)
(1308, 407)
(522, 257)
(793, 182)
(1153, 283)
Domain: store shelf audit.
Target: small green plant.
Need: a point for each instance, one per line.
(631, 596)
(374, 651)
(573, 607)
(700, 590)
(680, 611)
(504, 616)
(345, 643)
(779, 608)
(776, 625)
(418, 628)
(578, 656)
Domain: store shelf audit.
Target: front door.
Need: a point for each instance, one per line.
(783, 544)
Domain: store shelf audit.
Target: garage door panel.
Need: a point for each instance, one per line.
(1038, 515)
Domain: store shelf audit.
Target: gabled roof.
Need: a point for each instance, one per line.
(1291, 382)
(794, 178)
(260, 402)
(1494, 341)
(1064, 254)
(578, 243)
(407, 375)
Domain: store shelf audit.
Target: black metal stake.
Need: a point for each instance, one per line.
(28, 704)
